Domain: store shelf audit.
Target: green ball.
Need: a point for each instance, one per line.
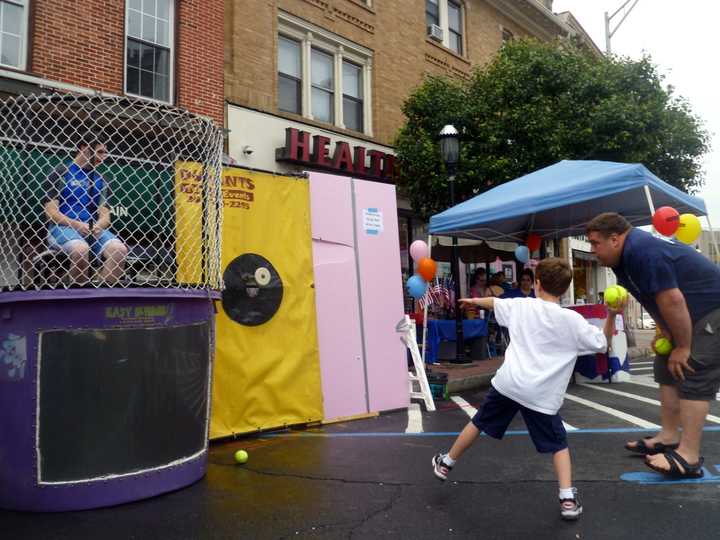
(241, 456)
(663, 346)
(615, 296)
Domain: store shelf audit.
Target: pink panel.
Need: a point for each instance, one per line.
(382, 297)
(336, 298)
(331, 208)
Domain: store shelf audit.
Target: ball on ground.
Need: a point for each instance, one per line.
(615, 296)
(241, 456)
(663, 346)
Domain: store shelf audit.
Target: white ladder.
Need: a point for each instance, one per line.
(406, 328)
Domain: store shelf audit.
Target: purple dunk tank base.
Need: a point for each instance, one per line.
(104, 395)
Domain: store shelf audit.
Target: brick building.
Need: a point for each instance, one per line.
(170, 51)
(341, 70)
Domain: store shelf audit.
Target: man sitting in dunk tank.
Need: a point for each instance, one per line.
(77, 207)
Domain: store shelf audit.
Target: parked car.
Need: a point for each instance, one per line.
(646, 322)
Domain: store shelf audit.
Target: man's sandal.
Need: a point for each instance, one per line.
(642, 448)
(676, 461)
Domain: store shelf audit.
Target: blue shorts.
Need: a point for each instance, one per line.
(59, 235)
(546, 430)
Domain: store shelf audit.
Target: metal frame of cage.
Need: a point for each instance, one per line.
(147, 145)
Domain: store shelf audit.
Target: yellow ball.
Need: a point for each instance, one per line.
(615, 296)
(241, 456)
(689, 229)
(663, 346)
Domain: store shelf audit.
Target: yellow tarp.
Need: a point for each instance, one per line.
(268, 375)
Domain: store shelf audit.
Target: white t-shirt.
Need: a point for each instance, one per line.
(545, 341)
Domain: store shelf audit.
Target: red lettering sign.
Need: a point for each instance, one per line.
(346, 159)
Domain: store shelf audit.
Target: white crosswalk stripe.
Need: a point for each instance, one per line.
(464, 405)
(710, 417)
(414, 419)
(612, 412)
(649, 383)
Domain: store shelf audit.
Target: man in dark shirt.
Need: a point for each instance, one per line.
(79, 214)
(681, 290)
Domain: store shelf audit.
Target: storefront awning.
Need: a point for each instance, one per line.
(559, 200)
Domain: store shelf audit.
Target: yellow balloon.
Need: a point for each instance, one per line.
(689, 229)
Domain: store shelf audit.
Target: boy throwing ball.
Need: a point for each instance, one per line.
(545, 340)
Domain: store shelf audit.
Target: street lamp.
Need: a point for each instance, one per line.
(450, 151)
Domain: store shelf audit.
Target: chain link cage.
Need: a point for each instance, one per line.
(100, 191)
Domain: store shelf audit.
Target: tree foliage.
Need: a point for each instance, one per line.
(536, 104)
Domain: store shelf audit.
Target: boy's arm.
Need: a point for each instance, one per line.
(482, 303)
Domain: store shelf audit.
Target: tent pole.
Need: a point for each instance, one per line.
(425, 309)
(649, 200)
(713, 240)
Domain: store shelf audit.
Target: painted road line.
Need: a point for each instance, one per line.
(634, 369)
(568, 427)
(633, 364)
(414, 419)
(710, 417)
(612, 412)
(464, 405)
(649, 383)
(509, 433)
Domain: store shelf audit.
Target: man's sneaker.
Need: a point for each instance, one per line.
(440, 468)
(570, 509)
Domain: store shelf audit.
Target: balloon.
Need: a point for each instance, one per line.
(666, 220)
(416, 286)
(418, 250)
(689, 229)
(533, 242)
(522, 254)
(427, 268)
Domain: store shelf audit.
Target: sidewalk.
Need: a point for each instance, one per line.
(477, 374)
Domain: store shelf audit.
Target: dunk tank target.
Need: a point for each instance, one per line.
(105, 341)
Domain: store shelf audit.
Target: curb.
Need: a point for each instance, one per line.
(470, 383)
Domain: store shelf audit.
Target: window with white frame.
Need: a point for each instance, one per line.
(149, 44)
(13, 33)
(455, 26)
(323, 76)
(444, 21)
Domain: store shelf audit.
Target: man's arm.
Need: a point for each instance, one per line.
(674, 312)
(54, 214)
(609, 328)
(103, 221)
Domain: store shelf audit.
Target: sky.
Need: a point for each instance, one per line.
(683, 40)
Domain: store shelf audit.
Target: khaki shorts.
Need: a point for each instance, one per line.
(703, 385)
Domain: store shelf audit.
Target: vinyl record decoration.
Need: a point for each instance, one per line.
(253, 290)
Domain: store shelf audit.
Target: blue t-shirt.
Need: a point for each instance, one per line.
(650, 264)
(79, 192)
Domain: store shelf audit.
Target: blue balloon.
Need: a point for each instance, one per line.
(416, 286)
(522, 254)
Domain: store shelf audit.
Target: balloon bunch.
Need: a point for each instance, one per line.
(532, 244)
(426, 269)
(686, 227)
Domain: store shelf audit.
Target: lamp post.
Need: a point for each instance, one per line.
(450, 151)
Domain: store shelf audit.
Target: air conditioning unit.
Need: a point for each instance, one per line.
(435, 32)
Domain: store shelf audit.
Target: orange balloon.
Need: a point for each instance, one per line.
(427, 268)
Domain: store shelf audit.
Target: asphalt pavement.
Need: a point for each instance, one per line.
(372, 479)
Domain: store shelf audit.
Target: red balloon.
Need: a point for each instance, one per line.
(533, 242)
(666, 220)
(427, 268)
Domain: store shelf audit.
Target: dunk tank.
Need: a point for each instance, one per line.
(105, 373)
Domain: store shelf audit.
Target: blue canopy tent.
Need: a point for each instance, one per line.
(560, 200)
